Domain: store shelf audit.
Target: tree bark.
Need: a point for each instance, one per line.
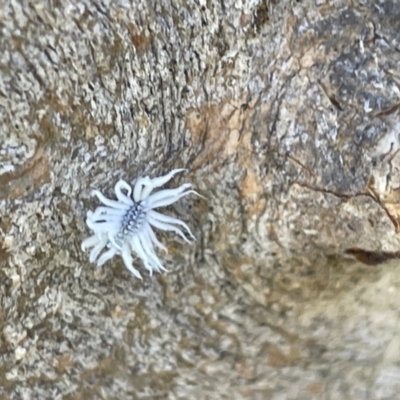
(286, 115)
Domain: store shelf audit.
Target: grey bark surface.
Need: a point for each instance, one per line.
(286, 115)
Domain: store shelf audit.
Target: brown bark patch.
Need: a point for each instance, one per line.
(216, 128)
(315, 389)
(279, 359)
(140, 41)
(221, 131)
(28, 178)
(251, 186)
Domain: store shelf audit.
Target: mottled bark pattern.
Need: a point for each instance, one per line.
(286, 114)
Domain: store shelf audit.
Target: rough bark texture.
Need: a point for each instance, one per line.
(286, 115)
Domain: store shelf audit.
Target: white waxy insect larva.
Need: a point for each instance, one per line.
(125, 225)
